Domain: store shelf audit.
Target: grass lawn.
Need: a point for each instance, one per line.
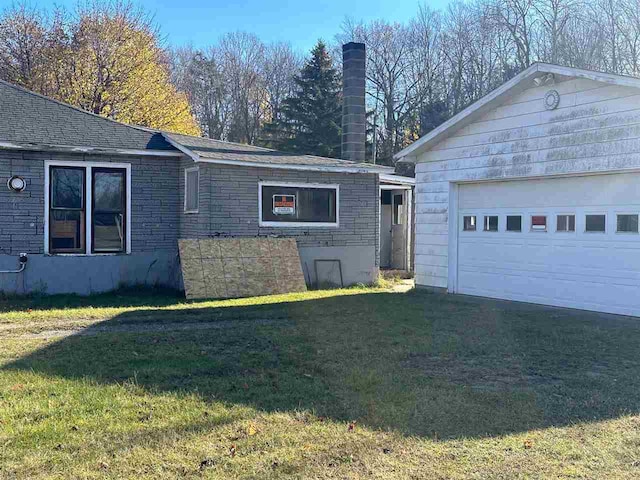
(358, 383)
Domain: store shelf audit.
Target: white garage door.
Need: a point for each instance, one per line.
(569, 242)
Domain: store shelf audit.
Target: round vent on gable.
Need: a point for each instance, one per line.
(551, 100)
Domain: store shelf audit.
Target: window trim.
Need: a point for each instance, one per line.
(484, 223)
(539, 230)
(575, 223)
(624, 232)
(186, 174)
(475, 223)
(596, 232)
(82, 209)
(333, 186)
(88, 192)
(506, 223)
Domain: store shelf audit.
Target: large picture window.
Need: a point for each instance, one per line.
(307, 205)
(87, 208)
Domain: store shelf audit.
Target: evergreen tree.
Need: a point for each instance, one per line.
(311, 119)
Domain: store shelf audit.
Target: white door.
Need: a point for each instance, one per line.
(570, 242)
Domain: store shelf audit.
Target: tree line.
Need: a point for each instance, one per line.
(241, 89)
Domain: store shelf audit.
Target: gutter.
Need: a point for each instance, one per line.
(41, 147)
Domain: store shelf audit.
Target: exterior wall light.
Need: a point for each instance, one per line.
(17, 184)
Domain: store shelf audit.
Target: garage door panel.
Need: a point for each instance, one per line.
(595, 271)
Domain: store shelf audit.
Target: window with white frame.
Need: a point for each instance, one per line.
(87, 208)
(298, 205)
(191, 190)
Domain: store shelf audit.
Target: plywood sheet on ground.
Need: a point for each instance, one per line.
(240, 267)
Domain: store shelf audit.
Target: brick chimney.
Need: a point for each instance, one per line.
(353, 107)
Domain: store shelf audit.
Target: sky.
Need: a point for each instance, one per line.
(299, 22)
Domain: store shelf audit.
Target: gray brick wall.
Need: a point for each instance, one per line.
(229, 205)
(155, 213)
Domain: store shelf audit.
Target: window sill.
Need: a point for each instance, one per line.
(122, 254)
(297, 225)
(191, 212)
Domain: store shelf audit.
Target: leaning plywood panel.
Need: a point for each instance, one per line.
(240, 267)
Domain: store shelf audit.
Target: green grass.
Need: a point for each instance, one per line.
(438, 387)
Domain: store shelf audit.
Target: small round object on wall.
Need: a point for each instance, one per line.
(551, 100)
(17, 184)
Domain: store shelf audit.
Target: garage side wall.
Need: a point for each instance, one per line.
(229, 207)
(596, 128)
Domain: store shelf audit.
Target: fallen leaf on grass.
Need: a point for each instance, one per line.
(17, 387)
(103, 466)
(351, 427)
(233, 450)
(528, 443)
(252, 430)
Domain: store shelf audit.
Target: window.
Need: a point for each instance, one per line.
(566, 223)
(303, 205)
(595, 223)
(108, 210)
(491, 223)
(191, 190)
(67, 210)
(87, 208)
(627, 223)
(539, 223)
(469, 223)
(514, 223)
(397, 209)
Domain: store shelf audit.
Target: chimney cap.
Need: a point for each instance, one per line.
(353, 46)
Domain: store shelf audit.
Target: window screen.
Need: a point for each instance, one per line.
(627, 223)
(288, 204)
(514, 223)
(595, 223)
(469, 223)
(67, 210)
(566, 223)
(491, 223)
(192, 188)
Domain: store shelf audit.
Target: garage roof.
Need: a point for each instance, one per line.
(517, 84)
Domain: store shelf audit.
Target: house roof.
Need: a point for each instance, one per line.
(31, 121)
(215, 151)
(517, 84)
(28, 118)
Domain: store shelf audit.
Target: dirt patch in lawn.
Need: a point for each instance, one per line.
(489, 373)
(141, 328)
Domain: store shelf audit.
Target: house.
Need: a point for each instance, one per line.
(531, 193)
(96, 204)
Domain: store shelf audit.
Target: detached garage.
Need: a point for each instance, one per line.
(533, 193)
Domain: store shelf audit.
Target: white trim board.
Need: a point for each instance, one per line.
(88, 166)
(262, 223)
